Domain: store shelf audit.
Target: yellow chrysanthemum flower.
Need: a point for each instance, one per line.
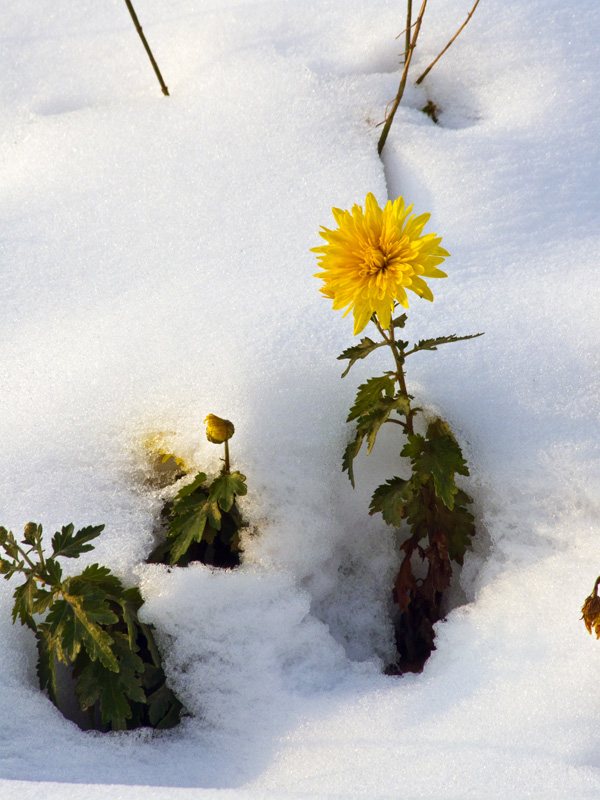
(374, 256)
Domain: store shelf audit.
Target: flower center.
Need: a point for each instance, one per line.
(374, 261)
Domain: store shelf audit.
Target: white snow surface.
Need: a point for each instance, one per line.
(156, 267)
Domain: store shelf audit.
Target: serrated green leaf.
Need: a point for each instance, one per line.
(46, 665)
(414, 446)
(456, 524)
(433, 344)
(23, 608)
(370, 423)
(350, 453)
(147, 631)
(189, 505)
(213, 514)
(115, 691)
(225, 487)
(131, 667)
(67, 545)
(11, 549)
(97, 578)
(60, 620)
(133, 596)
(459, 526)
(192, 487)
(130, 602)
(99, 684)
(438, 456)
(209, 534)
(151, 678)
(164, 709)
(185, 529)
(53, 572)
(42, 601)
(391, 499)
(418, 515)
(188, 517)
(173, 718)
(78, 619)
(358, 351)
(89, 683)
(192, 512)
(370, 393)
(182, 542)
(399, 322)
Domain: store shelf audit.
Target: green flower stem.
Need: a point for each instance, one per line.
(390, 340)
(40, 553)
(226, 467)
(24, 554)
(436, 568)
(399, 359)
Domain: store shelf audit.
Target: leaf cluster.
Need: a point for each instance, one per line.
(430, 501)
(376, 401)
(204, 513)
(440, 527)
(90, 623)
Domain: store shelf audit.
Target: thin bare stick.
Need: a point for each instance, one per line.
(408, 27)
(403, 31)
(434, 62)
(138, 28)
(411, 47)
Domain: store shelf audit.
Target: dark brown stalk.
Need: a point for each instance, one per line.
(420, 601)
(435, 60)
(138, 28)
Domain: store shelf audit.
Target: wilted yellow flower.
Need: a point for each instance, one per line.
(218, 430)
(157, 444)
(374, 256)
(591, 611)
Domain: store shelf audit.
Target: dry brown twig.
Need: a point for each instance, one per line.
(437, 58)
(396, 102)
(411, 43)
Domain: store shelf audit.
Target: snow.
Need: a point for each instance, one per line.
(156, 267)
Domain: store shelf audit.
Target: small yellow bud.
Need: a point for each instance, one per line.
(30, 530)
(218, 430)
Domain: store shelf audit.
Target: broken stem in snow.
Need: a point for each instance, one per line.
(138, 28)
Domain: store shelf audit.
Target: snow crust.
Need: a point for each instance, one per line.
(155, 268)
